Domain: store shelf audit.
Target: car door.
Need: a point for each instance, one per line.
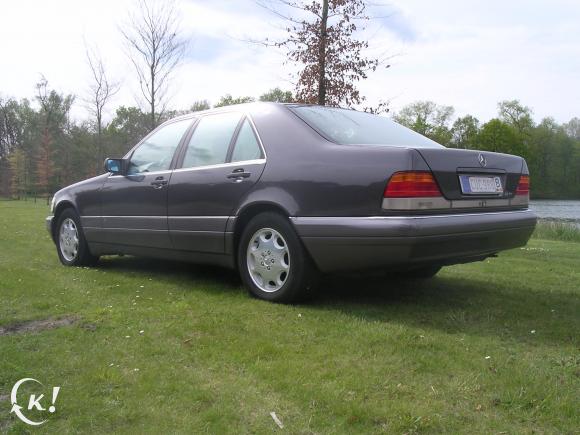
(134, 206)
(219, 164)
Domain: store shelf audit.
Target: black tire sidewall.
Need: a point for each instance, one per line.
(298, 281)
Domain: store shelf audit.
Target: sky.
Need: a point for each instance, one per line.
(463, 53)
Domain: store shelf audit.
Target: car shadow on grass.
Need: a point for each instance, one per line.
(175, 272)
(452, 304)
(456, 305)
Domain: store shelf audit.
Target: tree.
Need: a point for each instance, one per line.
(572, 128)
(54, 112)
(8, 126)
(277, 95)
(199, 105)
(17, 163)
(128, 127)
(322, 40)
(498, 136)
(102, 89)
(464, 132)
(517, 115)
(427, 118)
(155, 49)
(228, 100)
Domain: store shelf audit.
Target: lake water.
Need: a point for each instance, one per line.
(557, 210)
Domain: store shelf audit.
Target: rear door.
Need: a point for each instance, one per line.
(220, 162)
(134, 206)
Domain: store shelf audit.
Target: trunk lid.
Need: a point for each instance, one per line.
(447, 164)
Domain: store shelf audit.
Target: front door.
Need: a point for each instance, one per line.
(220, 163)
(134, 206)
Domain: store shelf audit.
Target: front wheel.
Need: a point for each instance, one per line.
(71, 245)
(272, 262)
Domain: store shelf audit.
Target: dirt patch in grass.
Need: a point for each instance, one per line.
(36, 326)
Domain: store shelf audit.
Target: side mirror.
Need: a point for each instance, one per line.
(116, 166)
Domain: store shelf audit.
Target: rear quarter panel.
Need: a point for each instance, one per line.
(309, 176)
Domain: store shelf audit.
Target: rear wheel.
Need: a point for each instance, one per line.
(71, 245)
(272, 261)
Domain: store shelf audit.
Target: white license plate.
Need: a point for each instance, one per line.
(471, 184)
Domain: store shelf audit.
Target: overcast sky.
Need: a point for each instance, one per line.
(462, 53)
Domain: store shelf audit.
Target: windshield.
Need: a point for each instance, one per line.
(349, 127)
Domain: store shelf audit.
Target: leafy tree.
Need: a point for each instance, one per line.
(228, 100)
(199, 105)
(572, 128)
(54, 118)
(277, 95)
(17, 163)
(322, 40)
(517, 115)
(427, 118)
(497, 136)
(127, 128)
(464, 132)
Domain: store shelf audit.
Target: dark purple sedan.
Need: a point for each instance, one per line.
(287, 192)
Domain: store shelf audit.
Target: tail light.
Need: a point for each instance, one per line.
(412, 184)
(523, 185)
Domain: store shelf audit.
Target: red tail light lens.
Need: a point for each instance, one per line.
(523, 186)
(412, 184)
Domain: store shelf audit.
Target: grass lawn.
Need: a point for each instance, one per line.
(159, 347)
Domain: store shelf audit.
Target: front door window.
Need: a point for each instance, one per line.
(156, 151)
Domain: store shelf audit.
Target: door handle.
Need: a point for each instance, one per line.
(159, 182)
(239, 174)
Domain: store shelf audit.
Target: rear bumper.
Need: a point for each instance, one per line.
(355, 243)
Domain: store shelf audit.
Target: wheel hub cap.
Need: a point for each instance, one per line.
(268, 260)
(69, 239)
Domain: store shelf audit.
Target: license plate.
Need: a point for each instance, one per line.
(471, 185)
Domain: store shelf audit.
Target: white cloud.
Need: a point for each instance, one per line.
(466, 54)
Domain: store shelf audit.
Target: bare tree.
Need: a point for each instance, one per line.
(321, 37)
(155, 48)
(102, 90)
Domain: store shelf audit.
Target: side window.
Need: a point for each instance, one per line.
(246, 147)
(211, 140)
(156, 152)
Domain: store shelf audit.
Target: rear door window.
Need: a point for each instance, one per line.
(211, 139)
(246, 146)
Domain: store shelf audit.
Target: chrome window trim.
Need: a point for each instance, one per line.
(253, 125)
(222, 165)
(141, 174)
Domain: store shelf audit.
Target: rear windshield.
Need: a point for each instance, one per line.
(349, 127)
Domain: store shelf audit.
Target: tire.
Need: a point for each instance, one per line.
(272, 261)
(71, 244)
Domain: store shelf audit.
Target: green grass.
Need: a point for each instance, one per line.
(557, 230)
(489, 347)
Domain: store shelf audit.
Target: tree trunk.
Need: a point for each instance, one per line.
(100, 157)
(322, 55)
(153, 123)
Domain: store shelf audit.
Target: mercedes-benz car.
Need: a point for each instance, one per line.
(286, 193)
